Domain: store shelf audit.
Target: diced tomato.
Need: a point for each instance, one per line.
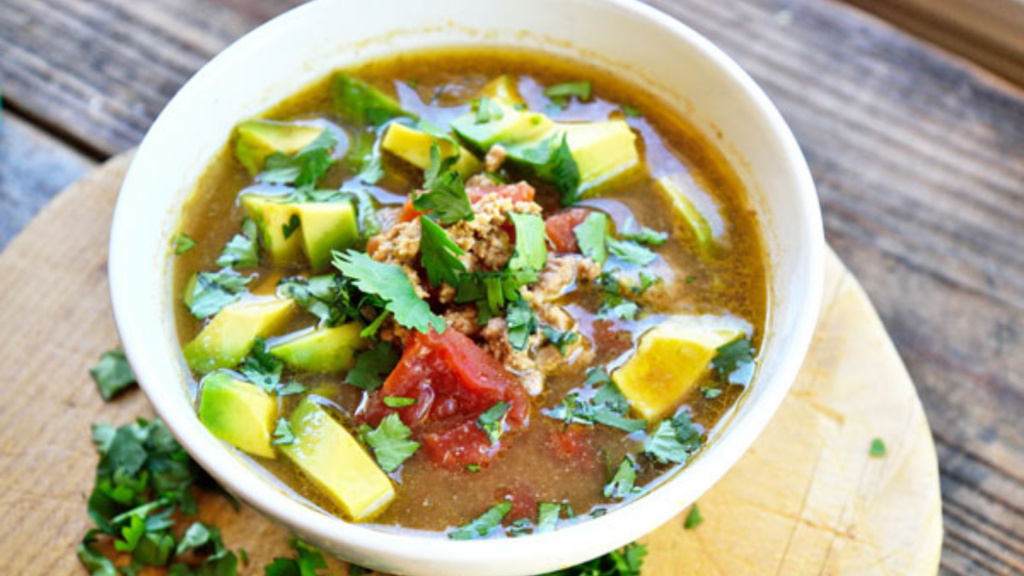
(559, 228)
(453, 382)
(521, 192)
(574, 446)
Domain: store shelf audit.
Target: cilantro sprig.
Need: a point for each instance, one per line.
(305, 167)
(112, 374)
(674, 440)
(389, 283)
(439, 255)
(483, 525)
(372, 367)
(209, 292)
(390, 443)
(242, 250)
(446, 197)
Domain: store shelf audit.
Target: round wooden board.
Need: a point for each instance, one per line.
(807, 499)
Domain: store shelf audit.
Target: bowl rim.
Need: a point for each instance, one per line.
(655, 507)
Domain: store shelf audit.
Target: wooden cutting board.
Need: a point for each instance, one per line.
(807, 499)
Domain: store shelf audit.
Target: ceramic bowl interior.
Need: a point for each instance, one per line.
(687, 73)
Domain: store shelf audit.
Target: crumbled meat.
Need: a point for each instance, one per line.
(496, 343)
(462, 319)
(495, 158)
(560, 274)
(481, 180)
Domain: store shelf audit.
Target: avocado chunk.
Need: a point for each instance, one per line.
(277, 221)
(239, 413)
(696, 207)
(326, 226)
(414, 145)
(603, 151)
(257, 139)
(504, 88)
(671, 360)
(320, 349)
(362, 104)
(333, 460)
(225, 341)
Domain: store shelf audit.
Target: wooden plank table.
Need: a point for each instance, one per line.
(918, 157)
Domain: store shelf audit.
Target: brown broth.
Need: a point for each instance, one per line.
(436, 85)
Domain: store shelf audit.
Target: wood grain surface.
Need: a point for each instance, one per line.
(918, 157)
(807, 499)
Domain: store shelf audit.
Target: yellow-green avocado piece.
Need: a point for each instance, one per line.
(257, 139)
(414, 145)
(697, 208)
(504, 88)
(602, 150)
(325, 227)
(671, 359)
(320, 349)
(273, 216)
(225, 341)
(239, 413)
(335, 461)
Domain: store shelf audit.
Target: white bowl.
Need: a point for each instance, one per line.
(272, 62)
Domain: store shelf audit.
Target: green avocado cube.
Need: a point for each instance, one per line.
(325, 227)
(602, 151)
(504, 88)
(225, 341)
(697, 208)
(257, 139)
(239, 413)
(320, 349)
(278, 224)
(414, 146)
(336, 463)
(507, 126)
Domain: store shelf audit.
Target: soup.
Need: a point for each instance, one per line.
(477, 294)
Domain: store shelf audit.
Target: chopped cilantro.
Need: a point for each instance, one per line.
(618, 308)
(307, 561)
(630, 251)
(438, 254)
(112, 374)
(560, 168)
(492, 421)
(597, 375)
(371, 329)
(559, 94)
(482, 526)
(183, 243)
(645, 235)
(520, 527)
(492, 290)
(261, 368)
(473, 467)
(878, 448)
(283, 435)
(522, 323)
(356, 570)
(389, 283)
(196, 536)
(398, 401)
(623, 483)
(96, 563)
(547, 516)
(212, 291)
(690, 279)
(693, 518)
(446, 196)
(372, 367)
(291, 389)
(331, 297)
(630, 111)
(531, 250)
(646, 281)
(290, 228)
(606, 406)
(591, 236)
(561, 340)
(390, 442)
(241, 251)
(131, 534)
(487, 110)
(711, 393)
(303, 168)
(734, 361)
(674, 440)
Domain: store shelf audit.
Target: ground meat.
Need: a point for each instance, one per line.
(495, 158)
(560, 274)
(481, 180)
(462, 319)
(496, 343)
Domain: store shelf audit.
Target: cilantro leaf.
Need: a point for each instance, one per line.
(522, 323)
(674, 440)
(646, 281)
(693, 518)
(389, 283)
(573, 410)
(645, 235)
(96, 563)
(711, 393)
(547, 516)
(291, 388)
(331, 297)
(591, 236)
(561, 340)
(559, 94)
(630, 111)
(372, 367)
(366, 213)
(398, 401)
(261, 368)
(623, 483)
(487, 110)
(196, 536)
(483, 525)
(212, 291)
(438, 254)
(303, 168)
(492, 421)
(735, 361)
(290, 228)
(492, 290)
(112, 374)
(618, 307)
(183, 243)
(597, 375)
(372, 171)
(241, 250)
(131, 534)
(631, 252)
(520, 527)
(559, 167)
(611, 408)
(390, 442)
(878, 448)
(446, 196)
(531, 250)
(283, 435)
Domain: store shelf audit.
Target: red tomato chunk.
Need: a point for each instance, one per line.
(453, 382)
(559, 228)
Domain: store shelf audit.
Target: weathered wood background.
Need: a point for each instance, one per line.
(918, 157)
